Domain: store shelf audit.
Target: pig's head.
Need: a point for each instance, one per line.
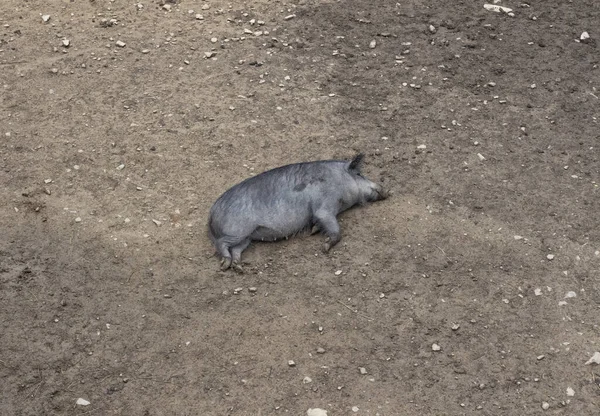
(368, 191)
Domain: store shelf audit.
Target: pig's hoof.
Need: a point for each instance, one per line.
(225, 263)
(238, 268)
(326, 247)
(315, 229)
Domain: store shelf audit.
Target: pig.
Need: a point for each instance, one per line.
(285, 201)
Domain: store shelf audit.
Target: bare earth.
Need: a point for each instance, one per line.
(484, 126)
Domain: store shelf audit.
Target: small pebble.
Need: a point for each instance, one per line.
(355, 409)
(550, 256)
(432, 28)
(363, 370)
(570, 392)
(584, 36)
(307, 380)
(545, 405)
(214, 40)
(199, 17)
(289, 17)
(82, 402)
(538, 291)
(291, 363)
(595, 359)
(455, 327)
(518, 237)
(373, 44)
(252, 289)
(570, 294)
(435, 347)
(320, 350)
(66, 43)
(120, 44)
(316, 412)
(338, 272)
(78, 219)
(46, 17)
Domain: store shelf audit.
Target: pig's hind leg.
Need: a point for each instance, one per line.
(236, 254)
(328, 223)
(226, 247)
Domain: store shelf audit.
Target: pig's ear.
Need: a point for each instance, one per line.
(356, 162)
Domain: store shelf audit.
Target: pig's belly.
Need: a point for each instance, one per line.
(281, 226)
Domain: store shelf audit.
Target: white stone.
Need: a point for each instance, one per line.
(570, 392)
(545, 405)
(46, 17)
(82, 402)
(436, 347)
(316, 412)
(595, 359)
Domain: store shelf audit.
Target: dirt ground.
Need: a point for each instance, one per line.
(473, 290)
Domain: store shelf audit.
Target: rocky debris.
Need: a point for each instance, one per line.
(496, 8)
(66, 43)
(436, 347)
(291, 363)
(595, 359)
(120, 44)
(108, 22)
(289, 17)
(46, 18)
(316, 412)
(82, 402)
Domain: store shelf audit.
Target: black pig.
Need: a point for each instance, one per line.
(284, 201)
